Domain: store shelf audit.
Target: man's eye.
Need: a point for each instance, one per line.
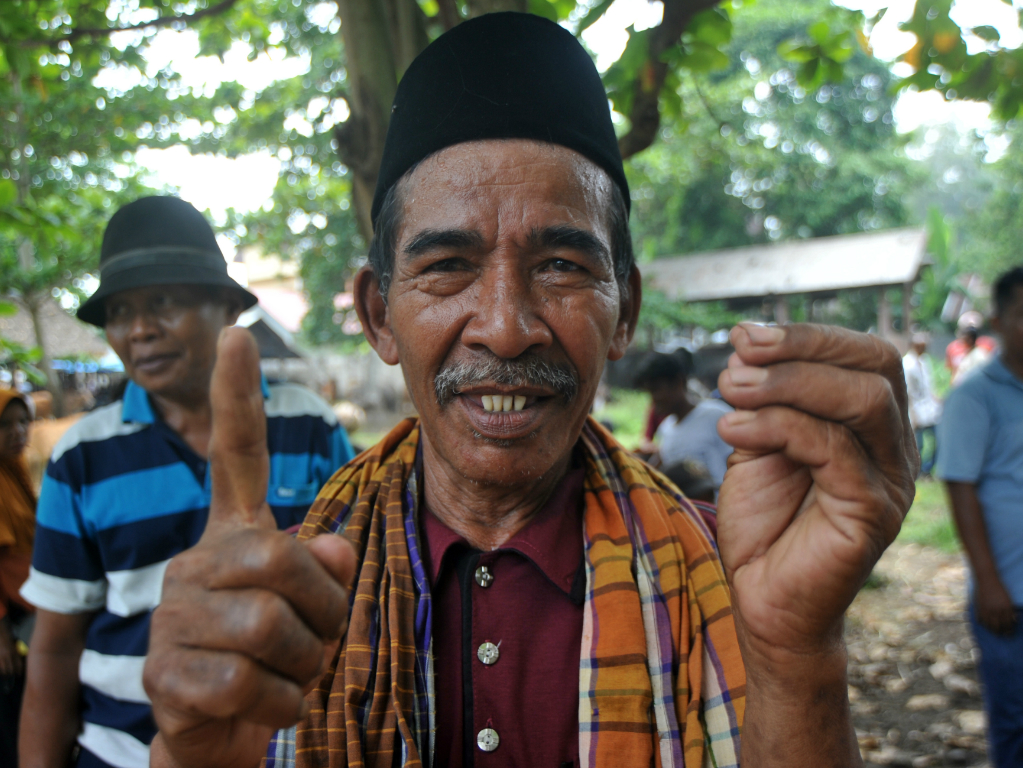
(447, 265)
(563, 265)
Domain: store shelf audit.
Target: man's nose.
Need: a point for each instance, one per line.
(142, 326)
(506, 319)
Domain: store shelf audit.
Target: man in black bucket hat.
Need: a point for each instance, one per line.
(159, 241)
(164, 297)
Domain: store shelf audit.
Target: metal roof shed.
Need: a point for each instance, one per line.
(821, 265)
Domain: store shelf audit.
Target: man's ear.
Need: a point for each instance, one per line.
(374, 315)
(629, 314)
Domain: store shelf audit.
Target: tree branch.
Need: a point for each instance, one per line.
(157, 23)
(707, 107)
(645, 117)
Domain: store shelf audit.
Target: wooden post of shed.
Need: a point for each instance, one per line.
(884, 314)
(908, 320)
(781, 310)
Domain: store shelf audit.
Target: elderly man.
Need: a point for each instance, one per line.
(525, 592)
(128, 486)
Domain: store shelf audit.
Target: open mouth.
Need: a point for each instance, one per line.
(504, 415)
(499, 403)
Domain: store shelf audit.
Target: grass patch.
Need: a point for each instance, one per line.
(929, 521)
(876, 580)
(626, 409)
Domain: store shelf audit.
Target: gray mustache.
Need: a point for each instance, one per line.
(524, 371)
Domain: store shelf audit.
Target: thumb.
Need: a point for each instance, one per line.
(239, 463)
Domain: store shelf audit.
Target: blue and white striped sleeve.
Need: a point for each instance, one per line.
(67, 574)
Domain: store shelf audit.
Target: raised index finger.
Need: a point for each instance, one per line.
(239, 462)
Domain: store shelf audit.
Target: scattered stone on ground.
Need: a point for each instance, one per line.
(913, 684)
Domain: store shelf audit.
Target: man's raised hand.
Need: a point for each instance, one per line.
(819, 483)
(247, 614)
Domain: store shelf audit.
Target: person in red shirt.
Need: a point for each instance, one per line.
(968, 338)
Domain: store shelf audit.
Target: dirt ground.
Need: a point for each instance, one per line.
(913, 683)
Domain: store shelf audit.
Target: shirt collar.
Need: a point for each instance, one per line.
(997, 371)
(552, 540)
(137, 408)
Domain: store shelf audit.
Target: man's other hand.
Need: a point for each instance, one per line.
(994, 608)
(821, 479)
(248, 615)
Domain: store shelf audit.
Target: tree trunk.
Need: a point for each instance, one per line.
(480, 7)
(32, 304)
(381, 38)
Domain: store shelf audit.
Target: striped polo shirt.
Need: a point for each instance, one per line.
(123, 493)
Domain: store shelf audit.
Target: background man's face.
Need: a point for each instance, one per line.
(166, 336)
(667, 395)
(504, 255)
(1010, 326)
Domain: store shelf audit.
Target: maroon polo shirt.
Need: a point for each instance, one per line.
(507, 627)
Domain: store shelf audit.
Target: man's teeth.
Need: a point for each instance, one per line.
(503, 402)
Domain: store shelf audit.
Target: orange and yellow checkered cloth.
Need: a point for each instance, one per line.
(661, 677)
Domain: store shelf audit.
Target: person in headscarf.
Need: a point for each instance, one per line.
(526, 592)
(17, 532)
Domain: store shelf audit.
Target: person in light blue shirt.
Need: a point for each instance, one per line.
(981, 462)
(689, 429)
(128, 486)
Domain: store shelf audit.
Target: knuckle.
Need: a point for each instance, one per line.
(180, 569)
(233, 677)
(270, 552)
(155, 675)
(263, 619)
(876, 395)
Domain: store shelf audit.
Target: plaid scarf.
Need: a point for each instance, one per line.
(661, 676)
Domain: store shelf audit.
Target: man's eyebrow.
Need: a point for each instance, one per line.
(566, 236)
(429, 239)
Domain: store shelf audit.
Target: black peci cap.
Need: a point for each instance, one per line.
(500, 76)
(158, 241)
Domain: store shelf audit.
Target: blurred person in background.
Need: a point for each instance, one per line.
(688, 430)
(17, 531)
(128, 486)
(981, 463)
(925, 408)
(968, 347)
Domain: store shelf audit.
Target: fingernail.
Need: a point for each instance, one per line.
(747, 376)
(737, 418)
(763, 335)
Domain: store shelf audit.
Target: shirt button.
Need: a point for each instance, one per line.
(488, 653)
(483, 576)
(488, 740)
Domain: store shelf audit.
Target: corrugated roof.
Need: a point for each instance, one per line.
(863, 260)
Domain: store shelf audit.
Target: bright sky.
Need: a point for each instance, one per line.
(217, 183)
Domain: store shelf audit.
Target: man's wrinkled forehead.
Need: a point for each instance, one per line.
(521, 176)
